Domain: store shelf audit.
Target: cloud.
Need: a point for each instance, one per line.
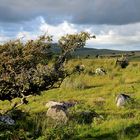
(117, 38)
(59, 30)
(113, 12)
(122, 37)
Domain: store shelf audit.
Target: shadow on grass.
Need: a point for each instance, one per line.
(132, 131)
(107, 136)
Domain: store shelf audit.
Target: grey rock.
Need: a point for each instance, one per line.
(122, 99)
(58, 113)
(79, 68)
(53, 103)
(65, 105)
(69, 104)
(100, 71)
(7, 120)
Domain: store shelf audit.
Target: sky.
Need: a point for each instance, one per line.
(116, 23)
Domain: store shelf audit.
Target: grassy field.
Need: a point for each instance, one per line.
(93, 93)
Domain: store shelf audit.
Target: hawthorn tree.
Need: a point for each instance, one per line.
(28, 68)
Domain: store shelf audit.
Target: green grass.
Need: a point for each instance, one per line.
(93, 93)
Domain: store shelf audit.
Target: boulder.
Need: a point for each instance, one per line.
(100, 71)
(122, 62)
(7, 120)
(53, 103)
(79, 68)
(122, 99)
(58, 113)
(65, 105)
(58, 110)
(69, 104)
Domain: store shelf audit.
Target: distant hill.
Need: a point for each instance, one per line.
(92, 52)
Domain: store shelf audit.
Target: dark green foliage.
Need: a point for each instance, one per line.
(24, 67)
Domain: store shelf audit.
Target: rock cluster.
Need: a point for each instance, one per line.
(58, 110)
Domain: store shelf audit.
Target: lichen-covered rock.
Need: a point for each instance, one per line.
(122, 99)
(58, 113)
(65, 105)
(100, 71)
(53, 103)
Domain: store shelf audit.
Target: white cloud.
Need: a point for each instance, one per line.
(58, 30)
(119, 37)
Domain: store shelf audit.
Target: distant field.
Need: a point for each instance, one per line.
(92, 92)
(135, 58)
(91, 53)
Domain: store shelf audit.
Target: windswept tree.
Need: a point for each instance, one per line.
(28, 68)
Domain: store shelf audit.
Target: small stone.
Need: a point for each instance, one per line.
(7, 120)
(122, 99)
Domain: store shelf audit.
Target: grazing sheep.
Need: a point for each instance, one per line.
(122, 99)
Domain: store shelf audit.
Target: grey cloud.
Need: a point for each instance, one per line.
(77, 11)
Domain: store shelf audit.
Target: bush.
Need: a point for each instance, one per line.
(27, 68)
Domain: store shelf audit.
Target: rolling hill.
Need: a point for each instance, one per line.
(92, 52)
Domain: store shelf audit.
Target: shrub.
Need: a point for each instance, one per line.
(27, 68)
